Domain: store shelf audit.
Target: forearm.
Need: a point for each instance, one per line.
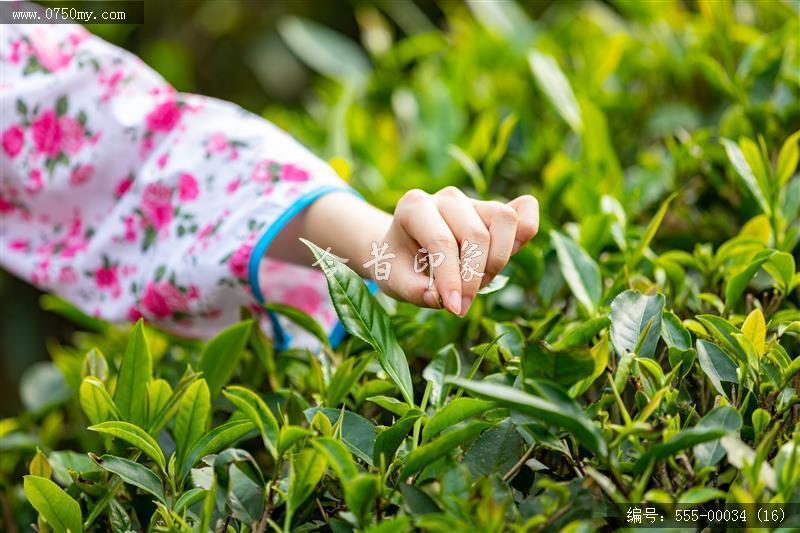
(340, 220)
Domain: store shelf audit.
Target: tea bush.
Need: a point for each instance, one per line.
(645, 347)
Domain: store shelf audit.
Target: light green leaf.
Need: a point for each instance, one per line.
(556, 87)
(787, 159)
(96, 402)
(132, 473)
(739, 163)
(723, 417)
(388, 440)
(221, 355)
(717, 366)
(363, 317)
(781, 267)
(451, 414)
(738, 282)
(581, 335)
(59, 509)
(158, 395)
(632, 313)
(324, 50)
(358, 433)
(674, 332)
(339, 457)
(191, 419)
(257, 411)
(299, 317)
(650, 231)
(134, 436)
(360, 493)
(135, 373)
(305, 472)
(441, 446)
(445, 363)
(554, 408)
(215, 440)
(579, 270)
(680, 441)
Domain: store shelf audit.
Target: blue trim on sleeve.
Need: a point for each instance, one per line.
(282, 338)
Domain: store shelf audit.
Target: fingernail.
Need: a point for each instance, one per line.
(431, 300)
(465, 303)
(454, 302)
(517, 246)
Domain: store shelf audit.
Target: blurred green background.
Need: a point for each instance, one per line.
(400, 94)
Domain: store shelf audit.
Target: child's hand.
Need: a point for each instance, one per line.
(468, 242)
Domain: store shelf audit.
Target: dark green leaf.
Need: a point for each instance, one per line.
(132, 473)
(631, 313)
(388, 440)
(441, 446)
(580, 271)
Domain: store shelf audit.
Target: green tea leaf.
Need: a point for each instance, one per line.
(451, 414)
(565, 368)
(496, 451)
(717, 366)
(650, 231)
(132, 473)
(96, 402)
(631, 314)
(257, 411)
(723, 417)
(556, 87)
(445, 363)
(300, 318)
(388, 440)
(579, 270)
(215, 440)
(360, 493)
(62, 512)
(338, 456)
(742, 168)
(738, 282)
(441, 446)
(305, 472)
(134, 436)
(674, 332)
(220, 357)
(581, 335)
(358, 433)
(557, 409)
(191, 419)
(682, 440)
(364, 318)
(135, 373)
(158, 395)
(788, 157)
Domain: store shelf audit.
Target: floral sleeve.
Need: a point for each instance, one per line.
(130, 199)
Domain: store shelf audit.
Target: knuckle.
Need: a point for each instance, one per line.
(478, 235)
(414, 196)
(506, 213)
(449, 192)
(440, 242)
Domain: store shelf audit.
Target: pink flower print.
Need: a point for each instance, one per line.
(304, 297)
(162, 160)
(19, 245)
(48, 52)
(292, 173)
(174, 298)
(187, 187)
(154, 303)
(123, 186)
(67, 275)
(72, 135)
(5, 205)
(134, 314)
(19, 48)
(13, 139)
(261, 173)
(217, 142)
(239, 261)
(81, 174)
(130, 229)
(164, 117)
(232, 185)
(157, 204)
(34, 183)
(194, 292)
(47, 133)
(106, 277)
